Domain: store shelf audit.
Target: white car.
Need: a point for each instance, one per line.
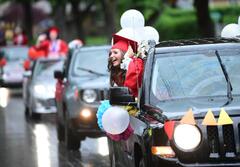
(12, 74)
(39, 87)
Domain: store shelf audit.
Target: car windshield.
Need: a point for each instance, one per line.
(90, 62)
(18, 53)
(194, 75)
(46, 68)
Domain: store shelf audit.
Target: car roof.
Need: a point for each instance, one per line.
(14, 46)
(197, 44)
(89, 48)
(42, 59)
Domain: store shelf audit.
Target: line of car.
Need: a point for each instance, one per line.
(71, 87)
(177, 75)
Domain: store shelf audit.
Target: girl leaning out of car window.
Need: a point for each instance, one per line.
(125, 68)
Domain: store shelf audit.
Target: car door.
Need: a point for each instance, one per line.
(61, 88)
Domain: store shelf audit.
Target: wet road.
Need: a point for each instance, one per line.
(26, 143)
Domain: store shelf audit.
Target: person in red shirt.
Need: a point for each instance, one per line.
(125, 68)
(56, 46)
(53, 47)
(36, 51)
(19, 37)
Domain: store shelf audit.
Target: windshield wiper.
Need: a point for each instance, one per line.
(91, 71)
(229, 85)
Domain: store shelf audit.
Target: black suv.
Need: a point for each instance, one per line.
(200, 74)
(81, 86)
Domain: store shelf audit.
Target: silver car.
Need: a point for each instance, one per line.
(12, 75)
(39, 87)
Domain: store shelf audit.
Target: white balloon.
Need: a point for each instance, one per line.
(132, 19)
(141, 34)
(115, 120)
(230, 31)
(151, 33)
(127, 33)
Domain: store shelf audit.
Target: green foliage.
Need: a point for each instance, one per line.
(177, 24)
(57, 2)
(145, 6)
(182, 24)
(229, 14)
(96, 40)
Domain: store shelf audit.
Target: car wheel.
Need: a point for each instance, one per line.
(35, 116)
(60, 132)
(112, 160)
(26, 111)
(141, 163)
(71, 140)
(111, 154)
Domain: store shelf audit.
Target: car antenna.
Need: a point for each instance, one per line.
(229, 85)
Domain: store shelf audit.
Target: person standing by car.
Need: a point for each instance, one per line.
(125, 68)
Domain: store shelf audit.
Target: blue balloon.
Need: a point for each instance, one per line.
(101, 109)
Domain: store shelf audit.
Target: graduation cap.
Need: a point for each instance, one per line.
(122, 43)
(54, 29)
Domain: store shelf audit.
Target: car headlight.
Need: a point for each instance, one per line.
(187, 137)
(86, 113)
(39, 89)
(89, 95)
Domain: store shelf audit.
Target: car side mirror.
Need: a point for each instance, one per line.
(27, 74)
(58, 75)
(121, 96)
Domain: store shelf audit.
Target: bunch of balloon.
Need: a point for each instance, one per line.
(231, 30)
(132, 22)
(115, 121)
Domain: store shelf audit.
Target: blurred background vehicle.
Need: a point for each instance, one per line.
(12, 71)
(82, 84)
(39, 88)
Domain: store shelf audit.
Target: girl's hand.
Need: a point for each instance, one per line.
(127, 58)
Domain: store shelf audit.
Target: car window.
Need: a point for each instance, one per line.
(19, 53)
(91, 62)
(47, 68)
(184, 75)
